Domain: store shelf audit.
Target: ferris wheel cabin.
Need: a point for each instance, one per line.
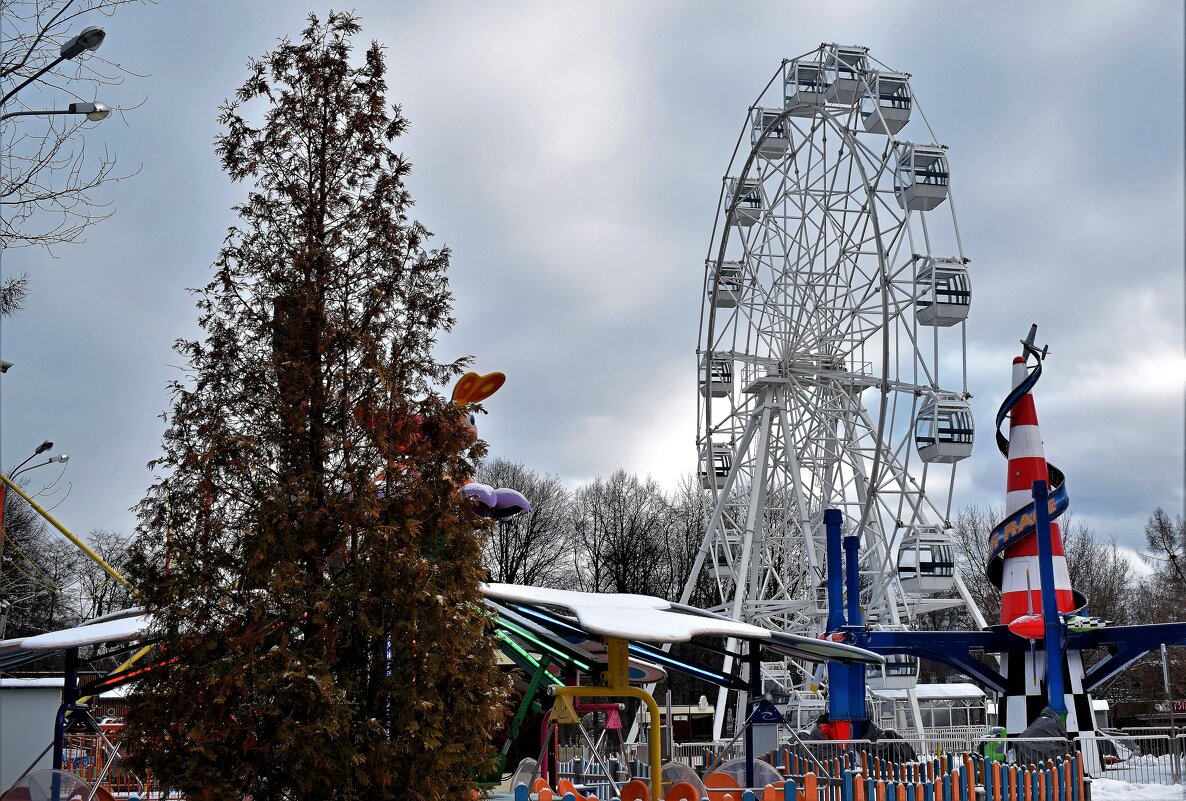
(926, 561)
(885, 109)
(728, 285)
(847, 68)
(944, 430)
(774, 144)
(719, 382)
(749, 200)
(944, 292)
(921, 180)
(725, 555)
(808, 86)
(714, 465)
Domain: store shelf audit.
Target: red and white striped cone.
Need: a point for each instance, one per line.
(1021, 593)
(1027, 464)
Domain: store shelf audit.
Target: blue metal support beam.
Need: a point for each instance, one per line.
(1125, 644)
(1051, 620)
(952, 648)
(855, 689)
(843, 701)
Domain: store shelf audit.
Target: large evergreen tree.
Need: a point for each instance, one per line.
(315, 573)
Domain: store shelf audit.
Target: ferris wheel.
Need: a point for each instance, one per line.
(831, 357)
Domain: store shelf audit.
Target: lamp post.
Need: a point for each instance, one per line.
(42, 448)
(87, 39)
(61, 458)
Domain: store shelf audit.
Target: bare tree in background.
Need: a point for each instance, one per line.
(688, 515)
(25, 587)
(98, 593)
(49, 177)
(618, 530)
(532, 548)
(1166, 538)
(971, 528)
(1100, 571)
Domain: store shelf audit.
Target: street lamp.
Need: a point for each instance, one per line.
(87, 39)
(93, 111)
(61, 458)
(42, 448)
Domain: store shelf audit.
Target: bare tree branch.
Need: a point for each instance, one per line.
(49, 180)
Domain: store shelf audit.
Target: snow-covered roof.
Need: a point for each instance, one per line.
(31, 683)
(642, 618)
(111, 628)
(936, 692)
(646, 618)
(126, 628)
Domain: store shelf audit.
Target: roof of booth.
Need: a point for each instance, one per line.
(646, 618)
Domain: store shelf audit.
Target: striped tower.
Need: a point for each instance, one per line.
(1021, 584)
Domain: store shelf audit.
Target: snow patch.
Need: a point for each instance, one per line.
(1115, 790)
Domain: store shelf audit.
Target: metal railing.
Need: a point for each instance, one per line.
(98, 760)
(1142, 758)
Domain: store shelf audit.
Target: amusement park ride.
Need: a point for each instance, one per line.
(833, 413)
(832, 358)
(832, 364)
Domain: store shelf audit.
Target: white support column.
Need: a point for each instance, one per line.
(746, 573)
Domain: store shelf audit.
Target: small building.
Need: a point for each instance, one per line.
(942, 706)
(690, 723)
(28, 707)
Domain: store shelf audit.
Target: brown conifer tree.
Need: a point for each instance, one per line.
(313, 570)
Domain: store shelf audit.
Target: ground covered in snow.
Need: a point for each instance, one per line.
(1115, 790)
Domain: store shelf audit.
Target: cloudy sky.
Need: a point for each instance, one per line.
(571, 154)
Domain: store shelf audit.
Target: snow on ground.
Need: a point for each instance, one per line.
(1115, 790)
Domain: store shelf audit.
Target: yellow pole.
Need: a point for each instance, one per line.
(111, 571)
(617, 675)
(133, 660)
(656, 758)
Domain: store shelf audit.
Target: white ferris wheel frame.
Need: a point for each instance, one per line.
(798, 345)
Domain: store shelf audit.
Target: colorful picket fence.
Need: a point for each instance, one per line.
(970, 778)
(948, 777)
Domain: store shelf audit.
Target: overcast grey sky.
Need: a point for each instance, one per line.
(570, 154)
